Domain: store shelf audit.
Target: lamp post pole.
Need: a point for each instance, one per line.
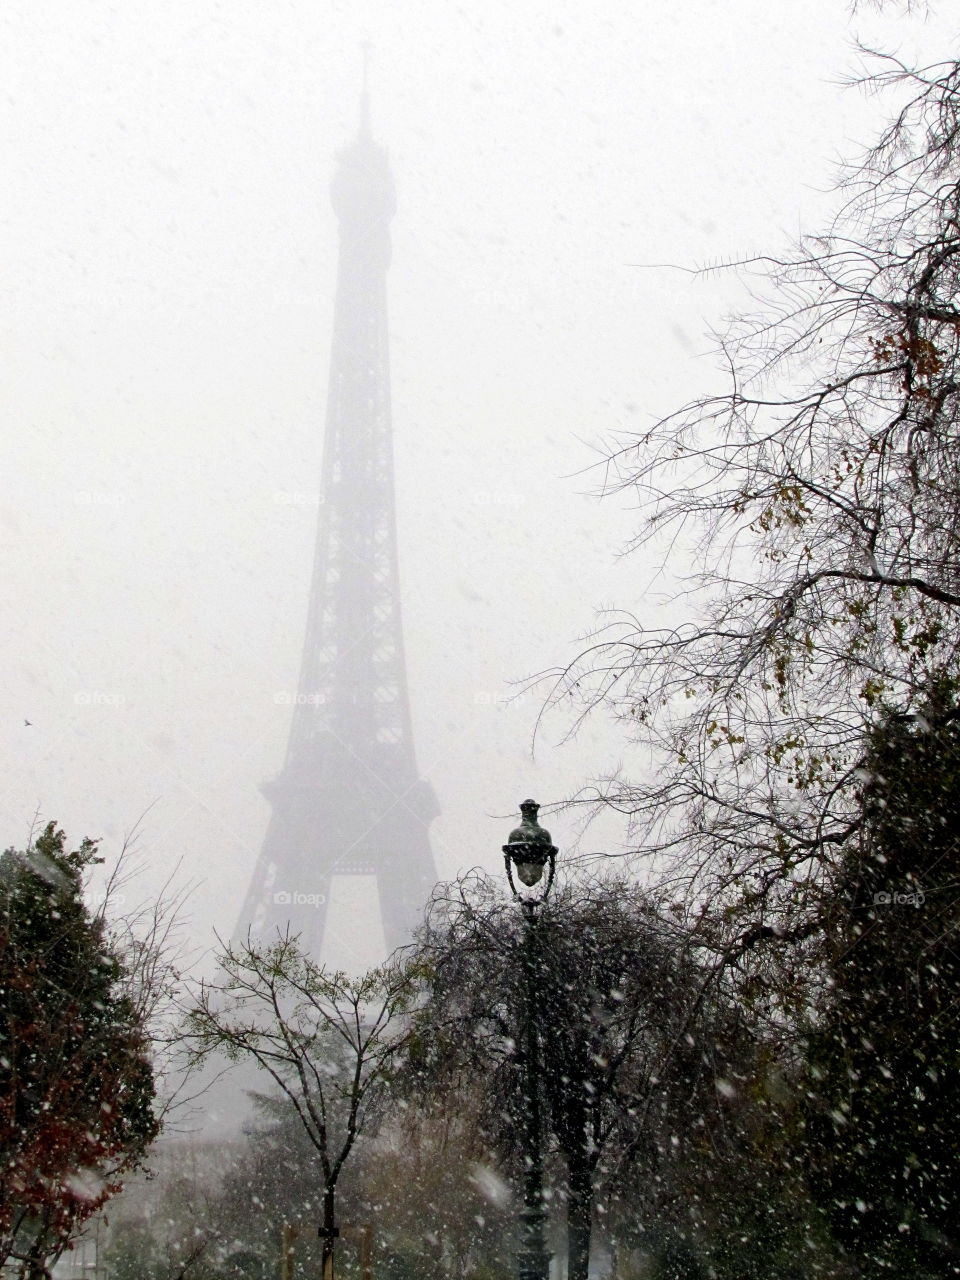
(529, 851)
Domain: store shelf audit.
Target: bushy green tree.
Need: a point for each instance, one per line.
(882, 1139)
(76, 1083)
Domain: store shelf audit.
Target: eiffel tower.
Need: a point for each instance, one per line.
(349, 800)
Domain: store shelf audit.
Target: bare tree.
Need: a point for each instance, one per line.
(821, 490)
(147, 933)
(637, 1042)
(326, 1040)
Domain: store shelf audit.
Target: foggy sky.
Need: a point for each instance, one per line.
(165, 313)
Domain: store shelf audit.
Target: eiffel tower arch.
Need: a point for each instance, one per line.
(349, 800)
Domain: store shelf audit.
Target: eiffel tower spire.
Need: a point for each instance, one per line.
(349, 799)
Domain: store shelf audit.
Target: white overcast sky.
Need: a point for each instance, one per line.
(165, 310)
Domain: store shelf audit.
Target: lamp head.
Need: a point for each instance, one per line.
(529, 850)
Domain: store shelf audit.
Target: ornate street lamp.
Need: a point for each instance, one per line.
(530, 852)
(528, 849)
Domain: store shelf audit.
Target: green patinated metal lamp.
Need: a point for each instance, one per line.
(529, 850)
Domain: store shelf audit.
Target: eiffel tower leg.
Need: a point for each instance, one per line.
(309, 918)
(402, 899)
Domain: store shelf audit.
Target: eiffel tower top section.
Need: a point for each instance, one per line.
(352, 678)
(364, 197)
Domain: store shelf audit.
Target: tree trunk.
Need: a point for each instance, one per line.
(579, 1218)
(328, 1231)
(34, 1266)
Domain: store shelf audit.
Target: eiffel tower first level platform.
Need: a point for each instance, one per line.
(349, 801)
(335, 815)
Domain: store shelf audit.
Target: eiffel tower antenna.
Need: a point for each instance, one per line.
(349, 800)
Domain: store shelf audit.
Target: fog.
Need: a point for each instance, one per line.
(167, 306)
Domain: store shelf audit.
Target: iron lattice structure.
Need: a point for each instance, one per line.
(349, 799)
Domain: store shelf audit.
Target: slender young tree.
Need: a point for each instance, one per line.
(326, 1040)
